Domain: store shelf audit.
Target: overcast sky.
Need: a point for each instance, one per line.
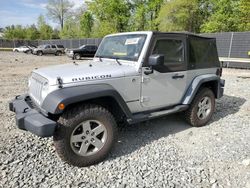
(25, 12)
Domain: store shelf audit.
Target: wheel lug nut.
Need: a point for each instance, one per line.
(87, 132)
(92, 134)
(86, 142)
(83, 137)
(92, 139)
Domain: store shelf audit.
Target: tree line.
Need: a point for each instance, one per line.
(98, 18)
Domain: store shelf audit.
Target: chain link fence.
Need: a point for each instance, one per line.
(16, 43)
(68, 43)
(72, 43)
(230, 44)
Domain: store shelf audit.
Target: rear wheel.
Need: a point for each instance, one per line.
(58, 53)
(86, 135)
(77, 56)
(39, 53)
(201, 108)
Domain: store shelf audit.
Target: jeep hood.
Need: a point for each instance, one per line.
(85, 71)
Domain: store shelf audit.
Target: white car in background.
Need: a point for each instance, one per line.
(21, 49)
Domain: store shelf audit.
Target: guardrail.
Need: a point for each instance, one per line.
(240, 63)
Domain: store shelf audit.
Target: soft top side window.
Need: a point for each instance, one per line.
(172, 49)
(202, 53)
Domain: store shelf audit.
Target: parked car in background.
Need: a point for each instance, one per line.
(31, 48)
(21, 49)
(82, 51)
(49, 49)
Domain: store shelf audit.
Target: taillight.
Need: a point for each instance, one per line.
(219, 72)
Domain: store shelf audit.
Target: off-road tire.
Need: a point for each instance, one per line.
(77, 56)
(70, 120)
(39, 53)
(191, 116)
(58, 53)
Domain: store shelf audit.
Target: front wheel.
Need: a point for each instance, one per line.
(201, 108)
(77, 56)
(85, 135)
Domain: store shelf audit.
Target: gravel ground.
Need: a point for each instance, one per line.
(165, 152)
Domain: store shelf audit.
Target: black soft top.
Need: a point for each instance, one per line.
(201, 51)
(184, 34)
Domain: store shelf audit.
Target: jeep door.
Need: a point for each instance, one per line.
(88, 51)
(166, 85)
(53, 49)
(93, 50)
(82, 51)
(47, 49)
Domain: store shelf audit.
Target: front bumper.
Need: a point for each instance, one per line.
(70, 55)
(29, 119)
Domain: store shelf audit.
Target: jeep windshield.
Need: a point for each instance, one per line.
(124, 47)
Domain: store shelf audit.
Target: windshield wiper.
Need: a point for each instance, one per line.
(116, 59)
(119, 63)
(100, 58)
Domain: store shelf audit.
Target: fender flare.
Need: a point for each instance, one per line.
(195, 85)
(77, 94)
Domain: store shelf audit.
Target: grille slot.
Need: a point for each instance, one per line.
(36, 86)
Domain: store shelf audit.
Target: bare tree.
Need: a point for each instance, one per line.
(59, 10)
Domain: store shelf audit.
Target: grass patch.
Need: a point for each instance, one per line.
(6, 49)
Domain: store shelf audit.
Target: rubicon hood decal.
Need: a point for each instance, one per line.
(91, 77)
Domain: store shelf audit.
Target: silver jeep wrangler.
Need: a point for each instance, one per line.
(133, 77)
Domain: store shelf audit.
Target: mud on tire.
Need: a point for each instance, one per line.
(191, 115)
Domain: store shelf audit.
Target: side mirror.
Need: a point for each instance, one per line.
(156, 59)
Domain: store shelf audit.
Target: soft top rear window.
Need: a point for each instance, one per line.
(202, 52)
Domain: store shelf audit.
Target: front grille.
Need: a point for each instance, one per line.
(36, 86)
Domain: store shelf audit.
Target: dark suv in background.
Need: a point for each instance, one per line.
(82, 51)
(49, 49)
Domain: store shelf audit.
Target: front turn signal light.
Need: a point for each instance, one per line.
(61, 106)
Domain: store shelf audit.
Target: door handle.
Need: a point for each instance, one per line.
(177, 76)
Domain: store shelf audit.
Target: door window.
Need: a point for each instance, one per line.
(88, 48)
(60, 46)
(173, 51)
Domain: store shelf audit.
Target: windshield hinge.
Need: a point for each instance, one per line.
(145, 80)
(60, 82)
(145, 99)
